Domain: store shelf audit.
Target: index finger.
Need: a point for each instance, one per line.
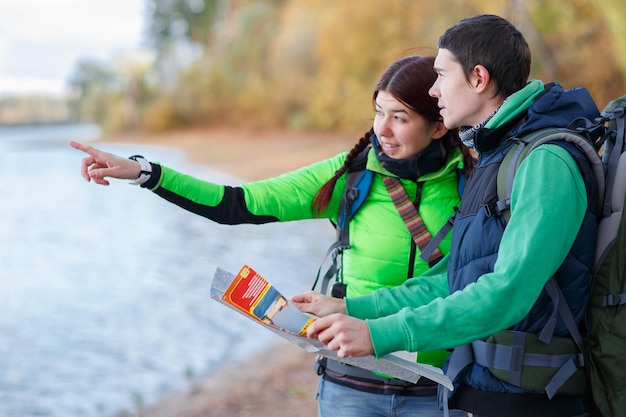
(85, 148)
(301, 298)
(317, 327)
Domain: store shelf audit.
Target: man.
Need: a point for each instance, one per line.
(492, 283)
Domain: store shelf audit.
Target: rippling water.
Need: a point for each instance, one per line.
(104, 291)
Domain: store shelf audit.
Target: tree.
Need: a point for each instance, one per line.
(91, 88)
(174, 20)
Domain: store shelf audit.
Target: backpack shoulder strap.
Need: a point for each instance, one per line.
(355, 191)
(358, 183)
(434, 243)
(521, 149)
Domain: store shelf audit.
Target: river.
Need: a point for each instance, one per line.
(105, 290)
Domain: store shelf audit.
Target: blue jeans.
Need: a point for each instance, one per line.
(335, 400)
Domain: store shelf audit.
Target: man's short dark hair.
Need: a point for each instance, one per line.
(494, 43)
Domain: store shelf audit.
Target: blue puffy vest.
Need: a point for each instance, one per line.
(472, 255)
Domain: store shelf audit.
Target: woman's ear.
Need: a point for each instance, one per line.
(439, 130)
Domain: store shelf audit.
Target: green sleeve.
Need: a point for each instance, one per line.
(285, 197)
(547, 207)
(194, 189)
(414, 292)
(289, 196)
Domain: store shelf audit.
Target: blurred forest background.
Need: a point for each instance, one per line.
(311, 64)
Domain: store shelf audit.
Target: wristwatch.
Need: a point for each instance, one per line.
(146, 170)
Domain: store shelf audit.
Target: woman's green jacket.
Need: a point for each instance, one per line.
(381, 246)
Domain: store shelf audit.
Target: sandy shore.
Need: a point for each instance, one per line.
(279, 381)
(247, 154)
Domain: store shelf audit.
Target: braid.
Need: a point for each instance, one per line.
(324, 194)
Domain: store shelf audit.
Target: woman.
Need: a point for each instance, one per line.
(408, 142)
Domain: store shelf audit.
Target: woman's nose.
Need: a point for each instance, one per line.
(384, 128)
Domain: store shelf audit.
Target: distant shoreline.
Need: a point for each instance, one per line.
(247, 154)
(47, 123)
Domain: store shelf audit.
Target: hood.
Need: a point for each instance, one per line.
(554, 107)
(557, 107)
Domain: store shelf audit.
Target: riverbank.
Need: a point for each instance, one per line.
(278, 381)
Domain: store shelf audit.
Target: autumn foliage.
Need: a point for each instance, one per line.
(312, 64)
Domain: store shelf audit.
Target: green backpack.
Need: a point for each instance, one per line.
(601, 343)
(605, 338)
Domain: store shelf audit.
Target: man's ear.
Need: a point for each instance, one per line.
(480, 78)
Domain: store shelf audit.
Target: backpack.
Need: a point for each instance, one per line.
(358, 184)
(601, 342)
(605, 340)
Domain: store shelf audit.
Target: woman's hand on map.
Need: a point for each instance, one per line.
(318, 304)
(100, 164)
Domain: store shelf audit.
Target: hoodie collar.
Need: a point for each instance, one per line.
(516, 103)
